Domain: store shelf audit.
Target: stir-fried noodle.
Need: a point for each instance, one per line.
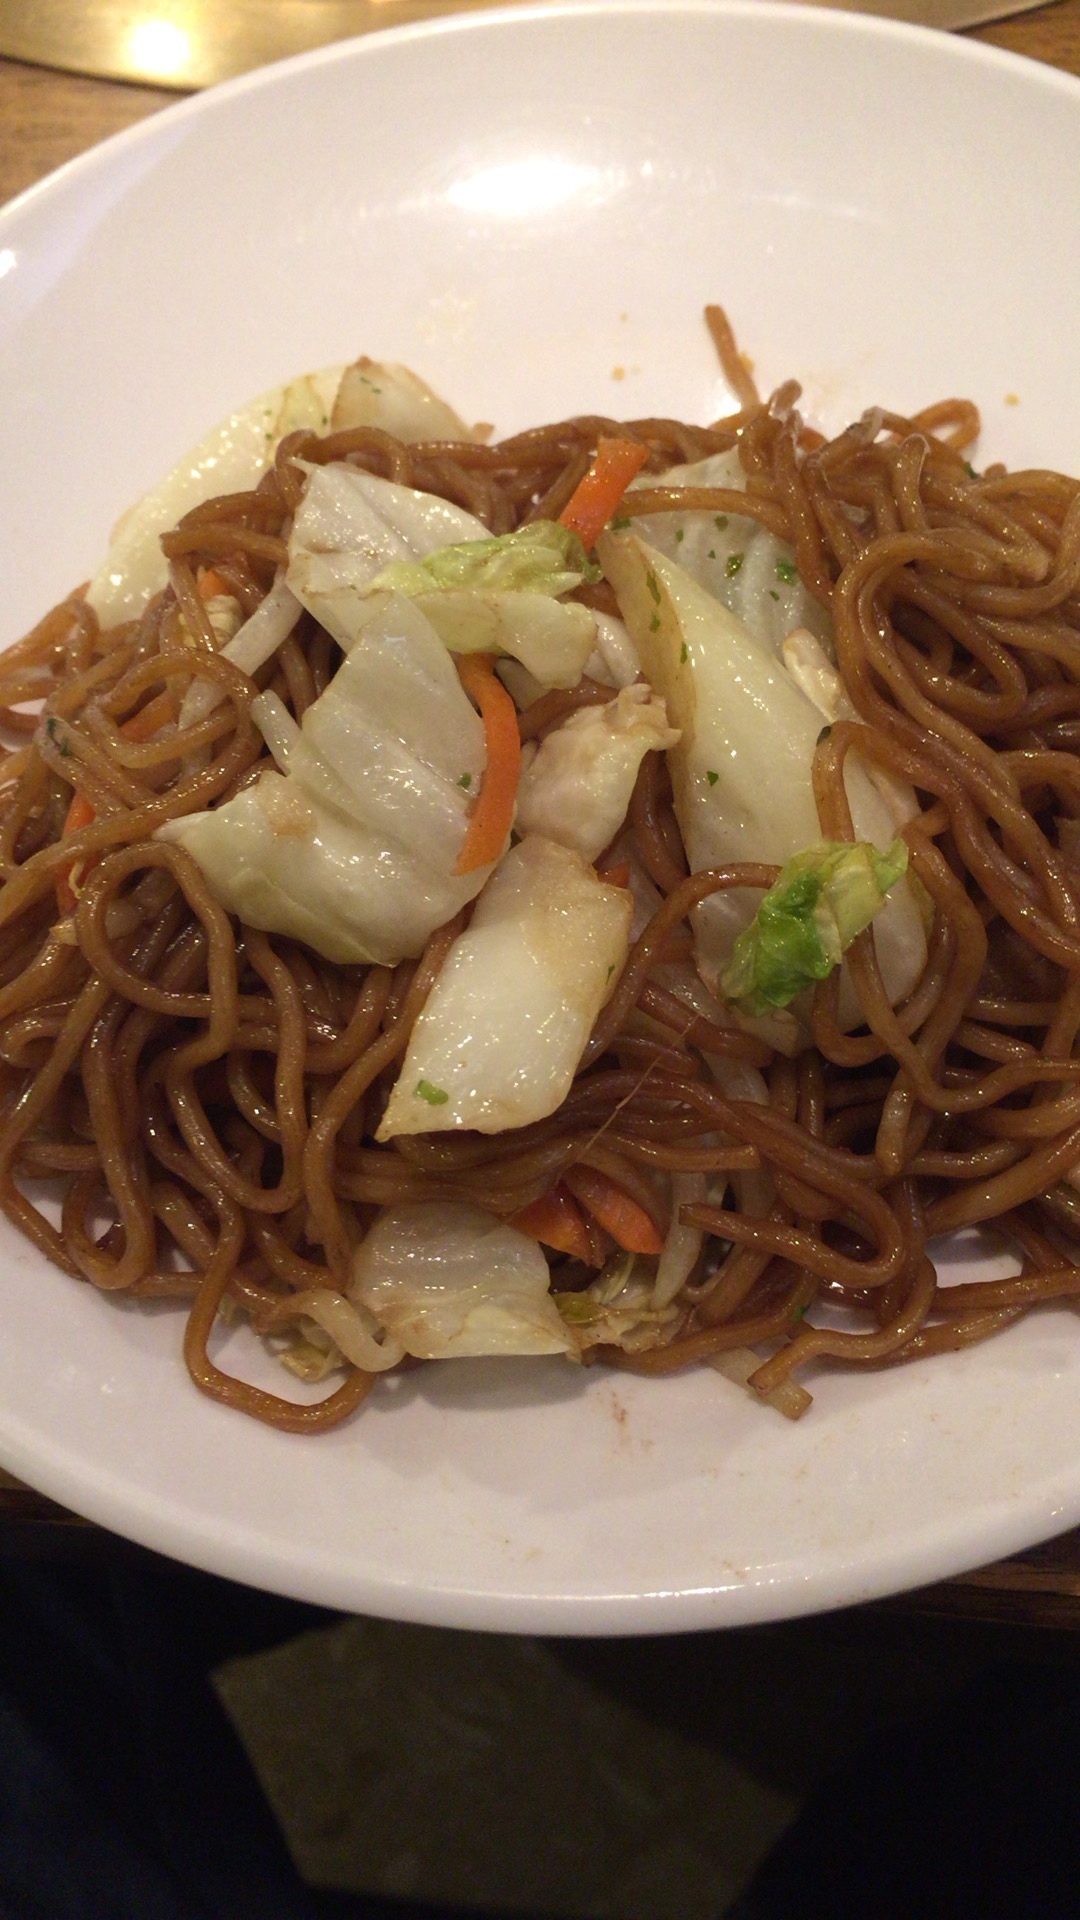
(207, 1095)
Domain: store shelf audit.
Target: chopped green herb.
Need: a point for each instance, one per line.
(680, 534)
(620, 521)
(732, 564)
(773, 595)
(787, 571)
(466, 780)
(800, 1312)
(650, 582)
(435, 1096)
(712, 778)
(970, 471)
(712, 553)
(721, 521)
(611, 970)
(51, 727)
(684, 655)
(654, 623)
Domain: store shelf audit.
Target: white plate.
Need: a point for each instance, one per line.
(532, 208)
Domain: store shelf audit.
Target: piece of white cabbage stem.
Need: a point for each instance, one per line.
(229, 459)
(357, 537)
(578, 786)
(742, 770)
(235, 454)
(353, 850)
(250, 648)
(448, 1281)
(738, 561)
(504, 1027)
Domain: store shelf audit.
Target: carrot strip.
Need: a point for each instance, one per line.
(210, 584)
(79, 814)
(596, 497)
(628, 1224)
(556, 1220)
(493, 815)
(144, 724)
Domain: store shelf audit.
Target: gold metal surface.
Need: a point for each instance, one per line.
(194, 43)
(191, 43)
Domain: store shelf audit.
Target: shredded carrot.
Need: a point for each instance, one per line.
(595, 499)
(141, 726)
(556, 1220)
(628, 1224)
(79, 814)
(210, 584)
(493, 815)
(144, 724)
(615, 876)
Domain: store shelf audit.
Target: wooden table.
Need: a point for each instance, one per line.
(47, 118)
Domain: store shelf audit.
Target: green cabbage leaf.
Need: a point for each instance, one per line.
(542, 557)
(823, 898)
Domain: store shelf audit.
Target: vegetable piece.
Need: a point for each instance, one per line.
(79, 814)
(357, 537)
(742, 770)
(683, 1243)
(380, 393)
(230, 458)
(552, 639)
(822, 900)
(627, 1222)
(617, 1309)
(596, 498)
(541, 557)
(501, 595)
(353, 851)
(353, 1330)
(489, 827)
(349, 526)
(739, 1363)
(555, 1220)
(613, 661)
(578, 787)
(449, 1281)
(750, 569)
(506, 1021)
(249, 648)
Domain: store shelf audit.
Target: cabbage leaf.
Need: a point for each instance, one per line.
(751, 570)
(448, 1281)
(541, 557)
(503, 1028)
(742, 772)
(577, 788)
(353, 850)
(823, 898)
